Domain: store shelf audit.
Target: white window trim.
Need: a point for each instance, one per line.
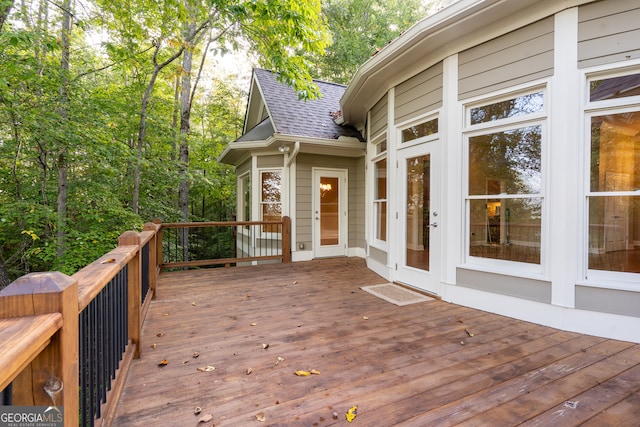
(601, 278)
(541, 118)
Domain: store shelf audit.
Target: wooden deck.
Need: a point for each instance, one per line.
(412, 366)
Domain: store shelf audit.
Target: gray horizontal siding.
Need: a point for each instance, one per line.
(379, 116)
(520, 287)
(608, 32)
(418, 95)
(521, 56)
(243, 168)
(608, 301)
(274, 161)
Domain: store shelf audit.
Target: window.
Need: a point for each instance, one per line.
(613, 191)
(270, 198)
(380, 200)
(244, 192)
(379, 214)
(504, 199)
(429, 127)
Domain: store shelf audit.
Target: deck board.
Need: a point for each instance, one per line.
(412, 366)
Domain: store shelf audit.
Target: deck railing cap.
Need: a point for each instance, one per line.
(38, 283)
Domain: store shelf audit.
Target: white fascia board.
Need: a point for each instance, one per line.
(332, 147)
(460, 26)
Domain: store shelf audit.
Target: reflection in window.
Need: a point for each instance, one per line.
(506, 228)
(518, 106)
(380, 199)
(615, 87)
(418, 131)
(244, 189)
(513, 157)
(613, 202)
(270, 198)
(381, 147)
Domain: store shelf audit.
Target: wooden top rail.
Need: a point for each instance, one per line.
(29, 335)
(95, 276)
(217, 224)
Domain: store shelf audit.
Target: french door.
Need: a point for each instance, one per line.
(418, 259)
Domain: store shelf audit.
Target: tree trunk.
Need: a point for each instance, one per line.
(5, 9)
(142, 129)
(64, 116)
(185, 127)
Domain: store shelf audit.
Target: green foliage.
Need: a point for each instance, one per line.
(112, 50)
(359, 29)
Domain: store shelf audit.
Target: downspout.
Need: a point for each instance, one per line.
(294, 153)
(289, 158)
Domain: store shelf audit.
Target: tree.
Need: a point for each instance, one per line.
(359, 28)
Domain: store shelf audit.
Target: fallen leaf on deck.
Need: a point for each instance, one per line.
(295, 282)
(352, 413)
(165, 314)
(249, 370)
(206, 418)
(265, 346)
(254, 324)
(163, 362)
(303, 373)
(196, 354)
(159, 334)
(468, 332)
(197, 410)
(260, 417)
(365, 317)
(154, 345)
(314, 372)
(193, 303)
(459, 319)
(207, 368)
(108, 261)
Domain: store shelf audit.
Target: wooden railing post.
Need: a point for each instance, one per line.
(159, 243)
(134, 290)
(153, 256)
(286, 240)
(43, 293)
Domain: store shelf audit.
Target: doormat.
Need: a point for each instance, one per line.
(395, 294)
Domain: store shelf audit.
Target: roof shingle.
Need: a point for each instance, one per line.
(312, 118)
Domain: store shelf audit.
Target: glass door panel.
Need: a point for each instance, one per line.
(329, 211)
(417, 219)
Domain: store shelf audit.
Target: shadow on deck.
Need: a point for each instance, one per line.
(412, 365)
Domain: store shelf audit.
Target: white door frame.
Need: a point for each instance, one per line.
(428, 281)
(339, 249)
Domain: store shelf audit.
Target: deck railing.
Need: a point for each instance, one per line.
(68, 341)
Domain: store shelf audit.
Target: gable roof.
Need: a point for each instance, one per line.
(291, 116)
